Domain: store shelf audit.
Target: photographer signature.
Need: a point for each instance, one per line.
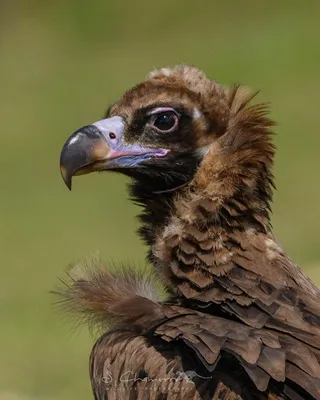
(130, 376)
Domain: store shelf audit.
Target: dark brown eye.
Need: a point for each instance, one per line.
(166, 121)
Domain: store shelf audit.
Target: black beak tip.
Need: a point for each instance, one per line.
(67, 178)
(69, 185)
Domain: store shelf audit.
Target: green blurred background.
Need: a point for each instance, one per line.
(61, 64)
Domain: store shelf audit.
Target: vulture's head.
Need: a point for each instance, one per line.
(157, 133)
(177, 129)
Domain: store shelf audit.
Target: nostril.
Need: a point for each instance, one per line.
(112, 135)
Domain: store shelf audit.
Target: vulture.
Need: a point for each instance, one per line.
(237, 319)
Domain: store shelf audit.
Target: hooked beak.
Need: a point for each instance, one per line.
(101, 146)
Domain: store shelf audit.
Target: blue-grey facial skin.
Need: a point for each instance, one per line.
(113, 131)
(101, 146)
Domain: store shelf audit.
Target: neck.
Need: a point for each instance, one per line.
(196, 231)
(157, 209)
(156, 189)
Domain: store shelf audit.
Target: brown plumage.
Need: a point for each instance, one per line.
(240, 319)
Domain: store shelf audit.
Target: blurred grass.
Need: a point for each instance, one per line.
(61, 64)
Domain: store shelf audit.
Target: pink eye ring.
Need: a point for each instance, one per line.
(164, 120)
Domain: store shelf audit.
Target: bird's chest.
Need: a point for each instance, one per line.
(192, 256)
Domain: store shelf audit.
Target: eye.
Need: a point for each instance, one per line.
(166, 121)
